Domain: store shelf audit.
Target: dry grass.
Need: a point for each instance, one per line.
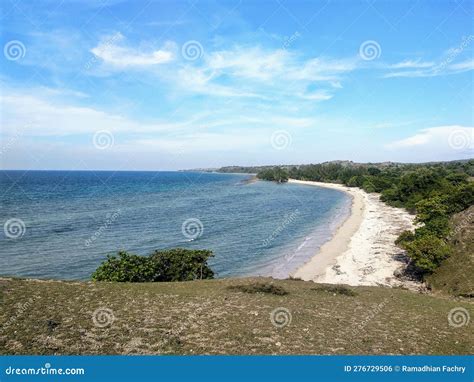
(205, 317)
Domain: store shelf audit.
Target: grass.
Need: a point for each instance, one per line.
(210, 317)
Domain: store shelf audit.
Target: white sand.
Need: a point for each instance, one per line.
(362, 251)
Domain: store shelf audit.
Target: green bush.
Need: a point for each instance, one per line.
(405, 238)
(181, 264)
(167, 265)
(427, 252)
(125, 268)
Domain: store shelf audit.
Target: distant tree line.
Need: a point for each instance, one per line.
(275, 174)
(434, 191)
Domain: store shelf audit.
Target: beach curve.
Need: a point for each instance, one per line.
(362, 251)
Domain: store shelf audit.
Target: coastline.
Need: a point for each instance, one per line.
(362, 251)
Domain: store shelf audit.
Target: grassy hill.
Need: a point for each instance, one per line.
(225, 317)
(456, 274)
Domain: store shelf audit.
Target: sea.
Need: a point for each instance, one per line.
(63, 224)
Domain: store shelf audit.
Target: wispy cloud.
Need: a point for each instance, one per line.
(252, 71)
(112, 51)
(444, 66)
(410, 64)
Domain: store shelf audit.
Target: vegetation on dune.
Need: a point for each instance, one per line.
(177, 264)
(434, 191)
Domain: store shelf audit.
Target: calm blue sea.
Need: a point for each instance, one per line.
(62, 224)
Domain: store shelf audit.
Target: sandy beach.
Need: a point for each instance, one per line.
(362, 251)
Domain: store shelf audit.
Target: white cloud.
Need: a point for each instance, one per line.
(418, 68)
(439, 139)
(39, 115)
(463, 66)
(262, 73)
(111, 52)
(250, 63)
(410, 64)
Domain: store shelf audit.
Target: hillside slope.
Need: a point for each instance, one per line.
(222, 317)
(456, 274)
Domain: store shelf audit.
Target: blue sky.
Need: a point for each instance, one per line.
(146, 85)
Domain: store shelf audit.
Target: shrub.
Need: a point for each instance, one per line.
(181, 264)
(335, 289)
(126, 268)
(404, 238)
(167, 265)
(259, 288)
(427, 252)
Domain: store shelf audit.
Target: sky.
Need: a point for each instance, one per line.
(165, 85)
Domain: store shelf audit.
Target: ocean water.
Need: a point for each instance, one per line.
(62, 224)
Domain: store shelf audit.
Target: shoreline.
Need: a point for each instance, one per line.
(362, 250)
